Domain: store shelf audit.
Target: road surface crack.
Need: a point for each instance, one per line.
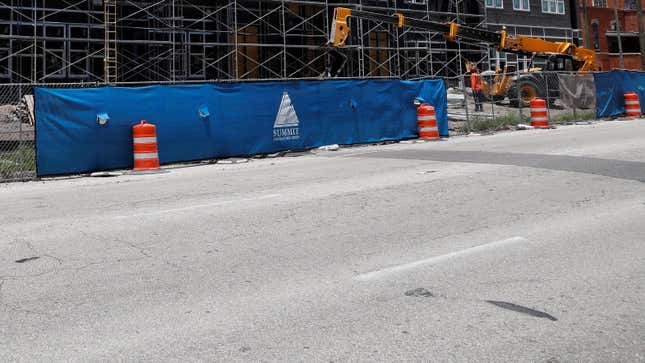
(35, 254)
(143, 251)
(522, 309)
(3, 280)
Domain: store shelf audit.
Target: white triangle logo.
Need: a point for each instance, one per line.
(286, 116)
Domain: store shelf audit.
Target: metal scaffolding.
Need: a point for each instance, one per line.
(111, 41)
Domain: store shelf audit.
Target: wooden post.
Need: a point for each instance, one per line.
(618, 36)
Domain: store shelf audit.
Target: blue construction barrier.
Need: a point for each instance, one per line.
(610, 88)
(88, 129)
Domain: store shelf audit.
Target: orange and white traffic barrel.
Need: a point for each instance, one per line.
(144, 138)
(427, 122)
(539, 116)
(632, 105)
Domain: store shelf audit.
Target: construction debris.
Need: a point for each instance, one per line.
(333, 147)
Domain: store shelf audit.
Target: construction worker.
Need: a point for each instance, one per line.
(476, 86)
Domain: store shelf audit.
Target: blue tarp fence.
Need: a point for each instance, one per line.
(610, 88)
(89, 129)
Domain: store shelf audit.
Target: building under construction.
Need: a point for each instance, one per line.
(182, 40)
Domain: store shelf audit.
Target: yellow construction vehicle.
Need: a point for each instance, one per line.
(495, 84)
(559, 56)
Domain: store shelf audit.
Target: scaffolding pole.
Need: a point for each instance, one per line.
(193, 40)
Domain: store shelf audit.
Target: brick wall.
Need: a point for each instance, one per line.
(604, 17)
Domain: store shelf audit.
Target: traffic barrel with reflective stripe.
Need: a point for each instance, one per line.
(632, 105)
(144, 138)
(539, 116)
(427, 122)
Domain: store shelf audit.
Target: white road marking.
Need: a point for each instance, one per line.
(438, 259)
(197, 206)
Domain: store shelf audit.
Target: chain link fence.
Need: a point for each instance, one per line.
(17, 135)
(17, 129)
(504, 105)
(505, 100)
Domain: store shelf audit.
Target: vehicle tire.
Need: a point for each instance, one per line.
(529, 88)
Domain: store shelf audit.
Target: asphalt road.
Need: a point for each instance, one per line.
(519, 247)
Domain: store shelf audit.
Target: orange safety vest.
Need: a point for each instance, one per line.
(476, 81)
